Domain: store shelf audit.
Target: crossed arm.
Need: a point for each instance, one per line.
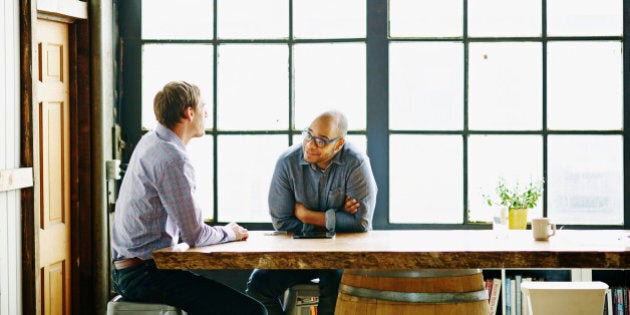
(318, 218)
(353, 215)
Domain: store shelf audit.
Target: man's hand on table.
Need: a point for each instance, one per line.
(241, 233)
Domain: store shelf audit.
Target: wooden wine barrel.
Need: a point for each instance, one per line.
(427, 291)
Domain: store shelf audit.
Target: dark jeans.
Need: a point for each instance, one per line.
(183, 289)
(268, 287)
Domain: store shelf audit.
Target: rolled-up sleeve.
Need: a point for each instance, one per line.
(282, 200)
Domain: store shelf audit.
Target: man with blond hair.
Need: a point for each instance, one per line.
(156, 206)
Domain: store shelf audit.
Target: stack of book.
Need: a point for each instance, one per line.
(617, 301)
(512, 296)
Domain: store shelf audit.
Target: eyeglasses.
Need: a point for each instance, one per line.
(319, 142)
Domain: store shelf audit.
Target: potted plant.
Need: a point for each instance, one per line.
(517, 200)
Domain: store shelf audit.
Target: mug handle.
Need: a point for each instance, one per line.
(553, 229)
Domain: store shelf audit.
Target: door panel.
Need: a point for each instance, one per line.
(54, 159)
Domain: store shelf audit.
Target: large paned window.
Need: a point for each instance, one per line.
(520, 90)
(446, 97)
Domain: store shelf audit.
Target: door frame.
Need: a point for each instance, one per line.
(74, 13)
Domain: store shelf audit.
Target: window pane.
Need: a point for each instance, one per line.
(330, 76)
(159, 67)
(493, 18)
(329, 19)
(425, 179)
(358, 141)
(585, 85)
(252, 87)
(516, 159)
(505, 86)
(586, 179)
(243, 185)
(253, 19)
(426, 86)
(422, 18)
(200, 153)
(584, 17)
(183, 19)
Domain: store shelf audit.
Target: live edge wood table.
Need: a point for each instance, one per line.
(408, 252)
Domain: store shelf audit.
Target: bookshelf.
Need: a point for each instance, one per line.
(608, 276)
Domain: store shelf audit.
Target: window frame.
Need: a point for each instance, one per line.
(128, 111)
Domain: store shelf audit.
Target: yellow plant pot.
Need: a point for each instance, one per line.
(517, 219)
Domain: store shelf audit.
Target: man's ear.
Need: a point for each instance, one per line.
(188, 113)
(340, 143)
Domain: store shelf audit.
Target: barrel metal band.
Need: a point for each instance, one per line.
(415, 297)
(421, 273)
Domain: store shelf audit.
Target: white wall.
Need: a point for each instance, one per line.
(10, 226)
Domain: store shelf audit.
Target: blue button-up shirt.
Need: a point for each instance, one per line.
(156, 202)
(295, 180)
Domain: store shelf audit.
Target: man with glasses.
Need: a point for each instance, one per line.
(323, 183)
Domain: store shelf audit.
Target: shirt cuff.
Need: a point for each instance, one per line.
(231, 236)
(331, 220)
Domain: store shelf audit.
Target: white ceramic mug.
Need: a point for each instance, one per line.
(543, 229)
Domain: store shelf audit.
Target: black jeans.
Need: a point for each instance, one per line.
(183, 289)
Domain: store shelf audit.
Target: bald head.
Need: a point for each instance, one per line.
(336, 120)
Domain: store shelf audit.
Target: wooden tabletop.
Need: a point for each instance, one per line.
(409, 249)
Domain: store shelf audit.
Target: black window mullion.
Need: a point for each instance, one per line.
(377, 95)
(465, 130)
(215, 146)
(291, 75)
(545, 134)
(626, 113)
(130, 110)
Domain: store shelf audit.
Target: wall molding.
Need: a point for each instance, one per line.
(16, 178)
(73, 9)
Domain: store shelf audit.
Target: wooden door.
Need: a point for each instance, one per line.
(53, 152)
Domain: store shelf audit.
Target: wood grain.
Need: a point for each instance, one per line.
(418, 249)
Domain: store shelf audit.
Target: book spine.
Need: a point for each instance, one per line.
(517, 294)
(508, 297)
(513, 297)
(488, 286)
(609, 304)
(618, 301)
(525, 300)
(494, 297)
(625, 300)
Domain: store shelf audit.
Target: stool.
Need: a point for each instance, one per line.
(117, 306)
(579, 298)
(302, 299)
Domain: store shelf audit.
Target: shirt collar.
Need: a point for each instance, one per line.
(169, 136)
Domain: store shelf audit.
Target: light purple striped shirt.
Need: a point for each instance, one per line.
(156, 204)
